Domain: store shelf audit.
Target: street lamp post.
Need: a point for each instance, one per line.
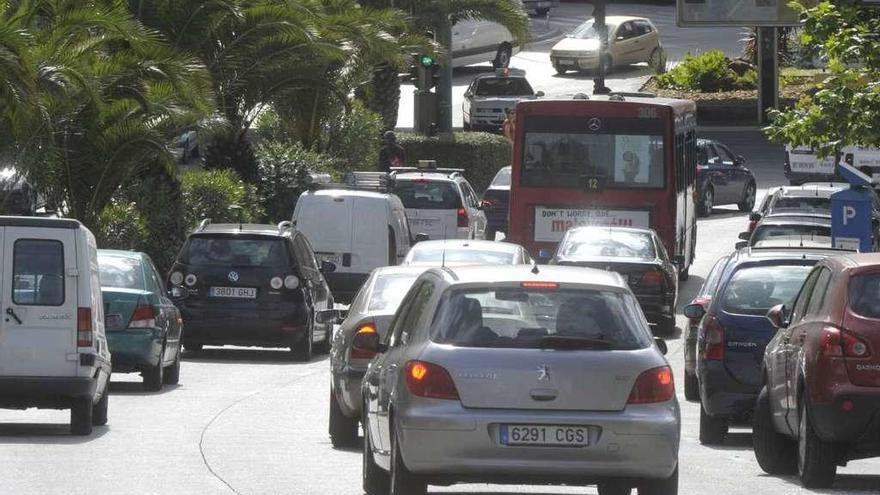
(599, 87)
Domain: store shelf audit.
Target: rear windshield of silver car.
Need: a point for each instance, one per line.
(754, 290)
(423, 194)
(607, 243)
(236, 252)
(864, 295)
(801, 205)
(806, 232)
(519, 317)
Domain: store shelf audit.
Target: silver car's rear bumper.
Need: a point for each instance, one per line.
(442, 438)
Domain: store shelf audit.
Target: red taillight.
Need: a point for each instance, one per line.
(652, 386)
(462, 217)
(367, 329)
(540, 285)
(651, 278)
(85, 335)
(144, 316)
(714, 335)
(840, 343)
(429, 380)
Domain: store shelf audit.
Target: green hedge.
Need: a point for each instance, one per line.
(283, 171)
(210, 193)
(709, 72)
(480, 154)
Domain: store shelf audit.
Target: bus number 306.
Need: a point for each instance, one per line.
(648, 113)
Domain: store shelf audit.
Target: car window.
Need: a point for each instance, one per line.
(388, 290)
(38, 273)
(626, 31)
(711, 281)
(467, 194)
(439, 254)
(502, 178)
(588, 31)
(602, 243)
(428, 195)
(725, 156)
(518, 317)
(121, 272)
(765, 232)
(415, 309)
(237, 252)
(799, 307)
(801, 204)
(503, 86)
(709, 155)
(864, 295)
(754, 290)
(820, 292)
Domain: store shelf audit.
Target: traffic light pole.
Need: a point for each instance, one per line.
(599, 87)
(444, 82)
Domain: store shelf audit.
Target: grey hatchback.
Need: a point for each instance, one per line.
(519, 375)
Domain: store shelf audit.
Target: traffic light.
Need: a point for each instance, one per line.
(427, 72)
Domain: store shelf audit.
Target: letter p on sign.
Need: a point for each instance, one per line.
(848, 213)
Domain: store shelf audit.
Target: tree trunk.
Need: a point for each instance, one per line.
(382, 95)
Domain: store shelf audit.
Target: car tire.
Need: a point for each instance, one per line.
(81, 417)
(774, 452)
(375, 479)
(302, 351)
(691, 387)
(326, 344)
(668, 486)
(502, 58)
(613, 488)
(748, 199)
(155, 375)
(815, 457)
(99, 410)
(713, 429)
(402, 480)
(560, 69)
(343, 430)
(685, 274)
(172, 374)
(193, 347)
(707, 202)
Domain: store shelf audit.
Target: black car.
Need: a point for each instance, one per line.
(638, 255)
(495, 203)
(252, 285)
(722, 178)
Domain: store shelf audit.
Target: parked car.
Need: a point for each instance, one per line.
(812, 199)
(370, 313)
(761, 210)
(489, 97)
(495, 202)
(734, 331)
(355, 228)
(143, 325)
(465, 252)
(638, 255)
(53, 348)
(541, 7)
(464, 389)
(702, 298)
(440, 203)
(253, 285)
(478, 41)
(630, 40)
(722, 178)
(793, 228)
(820, 393)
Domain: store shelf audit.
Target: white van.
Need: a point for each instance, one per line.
(477, 41)
(53, 349)
(355, 229)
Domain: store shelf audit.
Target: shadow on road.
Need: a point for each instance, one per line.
(248, 356)
(843, 483)
(42, 433)
(137, 388)
(734, 441)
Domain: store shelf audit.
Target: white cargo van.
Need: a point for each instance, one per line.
(53, 350)
(355, 229)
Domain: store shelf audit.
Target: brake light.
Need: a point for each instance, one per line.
(539, 285)
(85, 335)
(840, 343)
(714, 334)
(651, 278)
(357, 352)
(656, 385)
(462, 217)
(144, 316)
(429, 380)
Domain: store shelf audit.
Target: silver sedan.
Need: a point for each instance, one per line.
(504, 375)
(459, 252)
(370, 313)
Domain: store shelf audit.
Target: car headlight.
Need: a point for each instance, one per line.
(176, 278)
(276, 283)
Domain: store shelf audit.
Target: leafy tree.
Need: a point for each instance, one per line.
(845, 109)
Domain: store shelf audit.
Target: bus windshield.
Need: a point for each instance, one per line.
(565, 152)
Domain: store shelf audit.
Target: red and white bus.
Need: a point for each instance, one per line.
(617, 161)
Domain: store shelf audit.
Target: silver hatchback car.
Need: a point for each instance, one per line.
(536, 375)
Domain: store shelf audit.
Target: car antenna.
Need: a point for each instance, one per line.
(535, 267)
(443, 251)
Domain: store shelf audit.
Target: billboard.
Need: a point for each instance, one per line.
(736, 13)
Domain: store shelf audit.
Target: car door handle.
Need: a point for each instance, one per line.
(544, 394)
(11, 312)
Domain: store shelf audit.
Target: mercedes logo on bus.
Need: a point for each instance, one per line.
(595, 124)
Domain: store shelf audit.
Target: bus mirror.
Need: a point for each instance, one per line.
(744, 236)
(741, 244)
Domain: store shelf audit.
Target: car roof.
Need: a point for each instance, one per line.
(245, 228)
(438, 176)
(633, 230)
(817, 191)
(450, 244)
(336, 192)
(526, 273)
(399, 270)
(56, 223)
(793, 241)
(119, 253)
(777, 253)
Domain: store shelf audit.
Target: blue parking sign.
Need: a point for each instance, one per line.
(851, 213)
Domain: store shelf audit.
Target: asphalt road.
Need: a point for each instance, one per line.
(253, 422)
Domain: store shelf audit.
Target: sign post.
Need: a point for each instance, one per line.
(768, 72)
(852, 222)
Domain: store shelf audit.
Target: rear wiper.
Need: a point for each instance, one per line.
(561, 343)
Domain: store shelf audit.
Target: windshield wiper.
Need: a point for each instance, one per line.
(561, 343)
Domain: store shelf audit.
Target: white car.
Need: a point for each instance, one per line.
(478, 41)
(490, 96)
(53, 347)
(467, 252)
(630, 40)
(440, 203)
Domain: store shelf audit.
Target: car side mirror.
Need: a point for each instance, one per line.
(741, 244)
(368, 342)
(327, 266)
(341, 315)
(421, 236)
(694, 311)
(539, 94)
(744, 236)
(777, 316)
(468, 94)
(661, 345)
(326, 316)
(113, 322)
(739, 160)
(754, 216)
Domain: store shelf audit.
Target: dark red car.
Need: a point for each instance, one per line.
(818, 407)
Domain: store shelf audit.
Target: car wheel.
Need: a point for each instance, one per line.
(613, 488)
(815, 460)
(708, 202)
(81, 417)
(560, 69)
(712, 429)
(343, 430)
(774, 452)
(691, 387)
(327, 343)
(403, 482)
(193, 347)
(668, 486)
(155, 375)
(685, 274)
(502, 58)
(748, 200)
(375, 479)
(172, 374)
(303, 350)
(99, 410)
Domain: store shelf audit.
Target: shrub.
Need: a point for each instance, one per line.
(121, 226)
(480, 154)
(210, 193)
(283, 170)
(353, 139)
(709, 72)
(152, 193)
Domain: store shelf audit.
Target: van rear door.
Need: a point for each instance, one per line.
(370, 233)
(326, 221)
(39, 302)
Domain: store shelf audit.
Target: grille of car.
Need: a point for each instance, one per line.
(572, 54)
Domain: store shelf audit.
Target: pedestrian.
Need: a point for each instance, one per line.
(392, 154)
